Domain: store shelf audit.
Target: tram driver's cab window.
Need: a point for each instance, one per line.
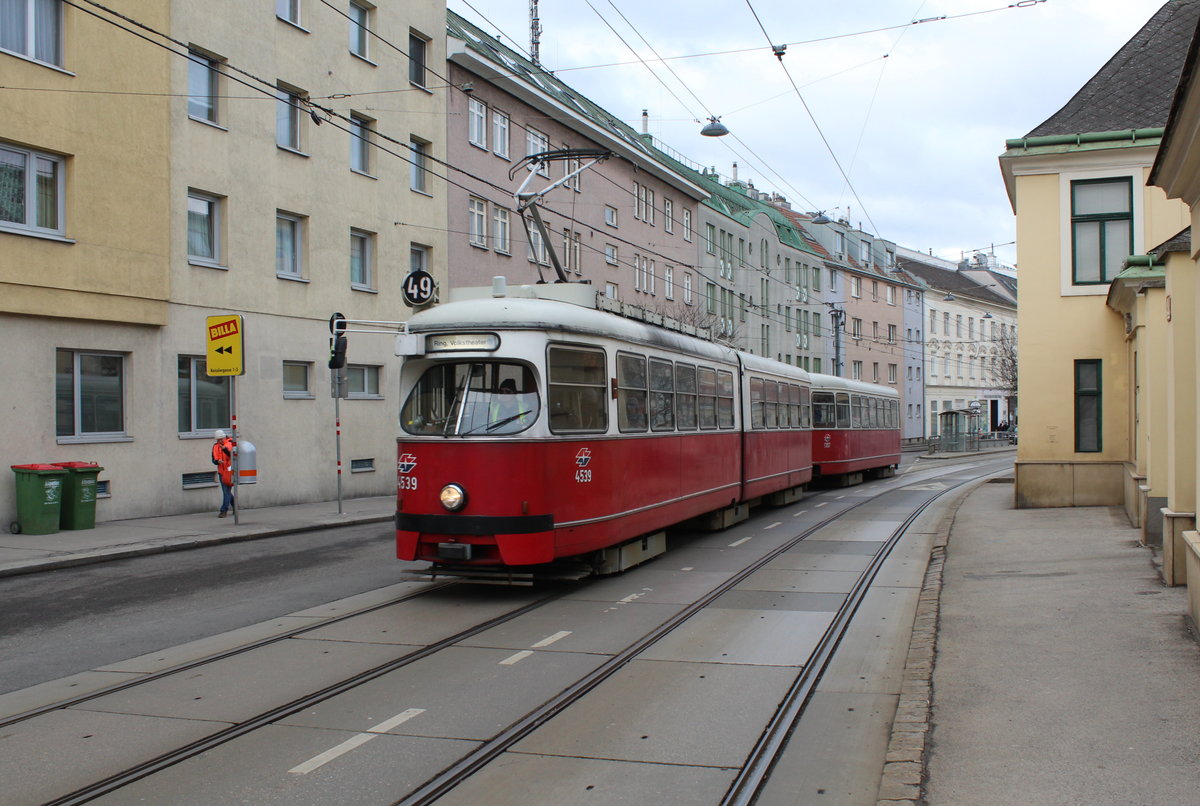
(472, 398)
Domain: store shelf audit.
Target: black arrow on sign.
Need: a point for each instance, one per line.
(224, 350)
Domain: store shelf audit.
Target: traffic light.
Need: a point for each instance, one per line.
(337, 352)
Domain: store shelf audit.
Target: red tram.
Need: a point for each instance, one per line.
(538, 428)
(856, 429)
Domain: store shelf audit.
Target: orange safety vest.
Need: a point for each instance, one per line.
(222, 455)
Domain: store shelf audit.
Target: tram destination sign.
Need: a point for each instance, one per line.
(461, 342)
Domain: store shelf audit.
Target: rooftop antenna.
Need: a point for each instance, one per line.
(535, 33)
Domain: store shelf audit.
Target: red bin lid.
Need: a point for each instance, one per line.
(74, 464)
(36, 467)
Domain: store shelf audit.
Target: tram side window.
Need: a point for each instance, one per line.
(757, 417)
(724, 399)
(856, 411)
(706, 384)
(662, 395)
(577, 390)
(685, 397)
(843, 410)
(895, 410)
(823, 410)
(771, 403)
(793, 407)
(631, 392)
(805, 407)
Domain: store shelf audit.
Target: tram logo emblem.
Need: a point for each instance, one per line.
(406, 463)
(583, 457)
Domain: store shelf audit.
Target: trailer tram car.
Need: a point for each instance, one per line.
(542, 433)
(856, 430)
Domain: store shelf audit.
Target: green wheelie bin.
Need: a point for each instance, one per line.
(39, 499)
(78, 509)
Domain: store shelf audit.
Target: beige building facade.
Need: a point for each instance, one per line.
(242, 163)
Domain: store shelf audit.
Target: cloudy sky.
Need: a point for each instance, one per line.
(915, 114)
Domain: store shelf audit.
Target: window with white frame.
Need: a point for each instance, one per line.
(362, 259)
(89, 392)
(710, 239)
(537, 143)
(648, 265)
(892, 373)
(686, 220)
(612, 290)
(891, 295)
(419, 155)
(669, 282)
(570, 166)
(610, 215)
(288, 10)
(32, 28)
(571, 249)
(418, 258)
(360, 28)
(610, 254)
(204, 228)
(668, 215)
(360, 144)
(289, 245)
(477, 122)
(204, 402)
(203, 86)
(363, 382)
(856, 368)
(537, 247)
(417, 53)
(287, 117)
(32, 187)
(295, 380)
(499, 134)
(477, 222)
(855, 285)
(501, 232)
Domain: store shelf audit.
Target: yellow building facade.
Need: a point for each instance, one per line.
(275, 161)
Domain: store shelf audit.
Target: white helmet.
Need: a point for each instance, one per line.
(219, 434)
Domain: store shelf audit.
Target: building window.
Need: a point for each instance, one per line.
(32, 28)
(418, 258)
(687, 288)
(203, 401)
(363, 382)
(686, 216)
(669, 282)
(1101, 228)
(612, 291)
(417, 47)
(501, 233)
(295, 380)
(287, 118)
(203, 76)
(360, 144)
(891, 331)
(892, 369)
(288, 10)
(204, 228)
(668, 215)
(289, 244)
(537, 143)
(710, 239)
(362, 259)
(477, 222)
(89, 394)
(610, 254)
(31, 191)
(610, 215)
(855, 286)
(420, 164)
(572, 251)
(499, 134)
(856, 368)
(360, 28)
(537, 247)
(1088, 422)
(476, 122)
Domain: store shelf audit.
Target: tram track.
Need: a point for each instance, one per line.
(746, 784)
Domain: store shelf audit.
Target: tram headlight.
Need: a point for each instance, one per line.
(453, 497)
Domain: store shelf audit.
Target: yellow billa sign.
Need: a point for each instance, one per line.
(225, 345)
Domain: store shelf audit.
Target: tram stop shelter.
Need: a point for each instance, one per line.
(959, 429)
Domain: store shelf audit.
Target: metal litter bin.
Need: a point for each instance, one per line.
(39, 499)
(78, 510)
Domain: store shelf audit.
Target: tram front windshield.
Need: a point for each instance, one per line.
(472, 398)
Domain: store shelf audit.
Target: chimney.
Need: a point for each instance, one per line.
(735, 172)
(645, 122)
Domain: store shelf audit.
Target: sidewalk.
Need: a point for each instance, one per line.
(20, 554)
(1064, 672)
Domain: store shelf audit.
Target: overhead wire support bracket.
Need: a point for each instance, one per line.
(527, 200)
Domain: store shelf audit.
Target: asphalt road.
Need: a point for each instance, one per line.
(62, 622)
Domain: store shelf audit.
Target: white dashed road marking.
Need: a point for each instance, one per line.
(355, 741)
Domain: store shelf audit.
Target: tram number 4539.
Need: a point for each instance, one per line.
(583, 476)
(406, 482)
